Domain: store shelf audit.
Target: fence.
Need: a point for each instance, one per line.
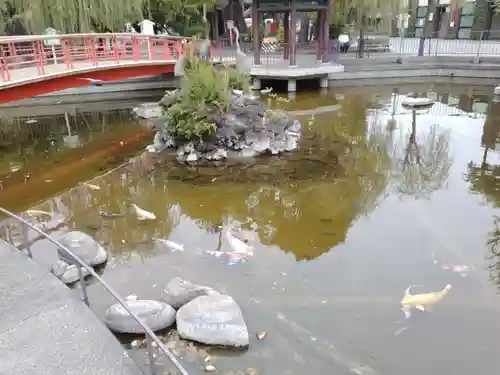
(151, 337)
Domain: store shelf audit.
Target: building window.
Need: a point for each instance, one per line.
(466, 20)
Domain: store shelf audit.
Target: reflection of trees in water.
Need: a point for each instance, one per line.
(484, 179)
(422, 165)
(303, 202)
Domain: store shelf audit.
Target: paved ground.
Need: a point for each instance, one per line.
(45, 330)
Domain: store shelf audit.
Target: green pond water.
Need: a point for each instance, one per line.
(373, 202)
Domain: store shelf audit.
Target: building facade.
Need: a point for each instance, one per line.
(475, 20)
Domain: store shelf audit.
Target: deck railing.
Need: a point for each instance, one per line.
(46, 54)
(151, 337)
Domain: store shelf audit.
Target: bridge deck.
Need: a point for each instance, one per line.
(30, 73)
(44, 329)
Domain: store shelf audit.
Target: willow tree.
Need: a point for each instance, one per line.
(70, 16)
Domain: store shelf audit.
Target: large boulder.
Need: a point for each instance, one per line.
(156, 315)
(246, 129)
(178, 292)
(84, 247)
(215, 319)
(67, 273)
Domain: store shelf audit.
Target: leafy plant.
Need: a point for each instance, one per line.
(204, 95)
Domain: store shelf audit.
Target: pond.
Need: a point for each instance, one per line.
(374, 201)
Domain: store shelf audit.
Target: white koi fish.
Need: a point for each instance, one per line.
(38, 213)
(143, 214)
(422, 302)
(92, 186)
(238, 245)
(171, 244)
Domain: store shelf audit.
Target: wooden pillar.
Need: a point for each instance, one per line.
(255, 33)
(326, 33)
(293, 34)
(319, 39)
(286, 31)
(216, 26)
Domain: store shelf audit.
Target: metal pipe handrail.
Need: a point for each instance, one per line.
(150, 335)
(33, 38)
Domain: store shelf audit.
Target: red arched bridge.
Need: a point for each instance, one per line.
(35, 65)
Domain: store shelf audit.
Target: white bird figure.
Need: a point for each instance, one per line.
(171, 244)
(92, 186)
(238, 245)
(421, 302)
(143, 214)
(238, 92)
(266, 91)
(243, 62)
(95, 82)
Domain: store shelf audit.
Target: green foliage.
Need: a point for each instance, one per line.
(204, 93)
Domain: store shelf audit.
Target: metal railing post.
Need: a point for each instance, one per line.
(151, 337)
(476, 59)
(83, 285)
(26, 244)
(152, 364)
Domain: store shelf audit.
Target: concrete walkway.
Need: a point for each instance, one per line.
(44, 329)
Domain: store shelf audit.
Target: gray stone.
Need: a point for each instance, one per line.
(245, 126)
(178, 292)
(156, 315)
(148, 110)
(214, 320)
(67, 273)
(192, 157)
(84, 247)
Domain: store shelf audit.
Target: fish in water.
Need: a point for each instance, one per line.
(92, 186)
(111, 214)
(422, 302)
(143, 214)
(171, 244)
(38, 213)
(238, 245)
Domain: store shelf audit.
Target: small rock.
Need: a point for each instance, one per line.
(156, 315)
(84, 247)
(251, 371)
(192, 157)
(215, 319)
(67, 273)
(210, 368)
(178, 292)
(135, 344)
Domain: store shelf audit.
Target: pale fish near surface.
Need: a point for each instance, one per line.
(261, 335)
(92, 186)
(143, 214)
(238, 245)
(173, 245)
(38, 213)
(422, 302)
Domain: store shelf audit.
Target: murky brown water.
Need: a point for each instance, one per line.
(340, 229)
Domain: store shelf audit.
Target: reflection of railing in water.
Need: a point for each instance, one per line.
(150, 335)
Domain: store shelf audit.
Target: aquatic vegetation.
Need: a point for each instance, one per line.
(204, 93)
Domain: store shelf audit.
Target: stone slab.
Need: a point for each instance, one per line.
(45, 330)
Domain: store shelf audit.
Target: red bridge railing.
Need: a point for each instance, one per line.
(25, 57)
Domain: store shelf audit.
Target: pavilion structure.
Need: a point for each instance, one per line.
(293, 66)
(290, 8)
